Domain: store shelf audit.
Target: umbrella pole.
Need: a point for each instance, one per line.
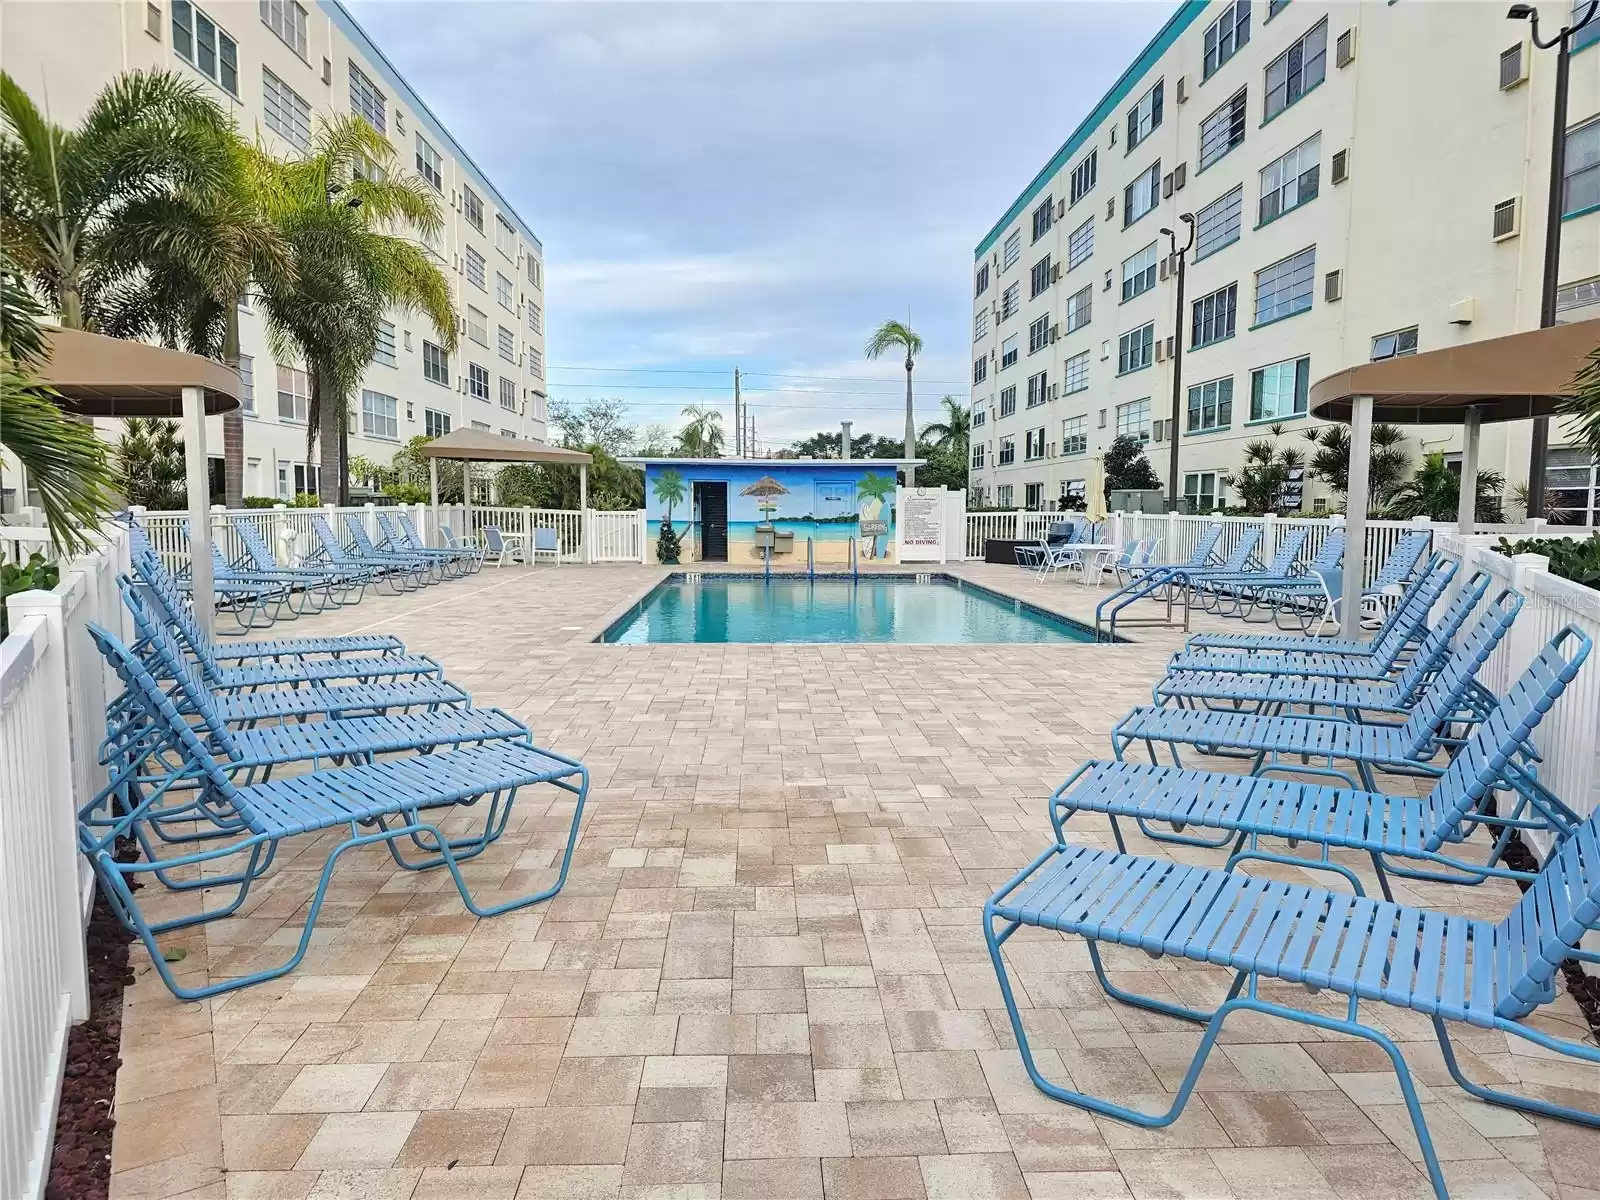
(198, 475)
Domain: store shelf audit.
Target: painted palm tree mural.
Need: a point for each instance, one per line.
(669, 490)
(766, 490)
(874, 492)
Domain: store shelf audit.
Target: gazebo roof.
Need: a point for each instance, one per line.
(1506, 378)
(478, 445)
(114, 377)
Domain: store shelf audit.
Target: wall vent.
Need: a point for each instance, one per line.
(1505, 220)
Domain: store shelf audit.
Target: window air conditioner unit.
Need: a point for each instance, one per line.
(327, 71)
(1172, 346)
(1055, 272)
(1111, 207)
(1107, 287)
(1113, 135)
(1053, 391)
(1180, 176)
(1166, 266)
(1102, 418)
(1344, 50)
(1333, 286)
(1340, 170)
(1161, 351)
(1166, 184)
(1061, 209)
(1055, 332)
(1505, 220)
(1183, 88)
(1513, 66)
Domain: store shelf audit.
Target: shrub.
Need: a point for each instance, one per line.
(260, 501)
(1578, 561)
(35, 573)
(406, 493)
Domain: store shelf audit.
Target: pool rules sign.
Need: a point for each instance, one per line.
(920, 525)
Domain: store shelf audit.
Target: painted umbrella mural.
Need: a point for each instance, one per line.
(765, 490)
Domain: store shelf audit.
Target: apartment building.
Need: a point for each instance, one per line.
(278, 66)
(1365, 180)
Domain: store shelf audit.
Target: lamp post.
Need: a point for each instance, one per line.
(1177, 360)
(1562, 43)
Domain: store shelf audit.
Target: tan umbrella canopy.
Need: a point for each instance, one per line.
(111, 377)
(765, 488)
(479, 445)
(1506, 378)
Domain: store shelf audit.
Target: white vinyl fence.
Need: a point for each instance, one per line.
(53, 691)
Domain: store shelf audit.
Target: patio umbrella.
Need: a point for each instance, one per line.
(764, 489)
(1095, 497)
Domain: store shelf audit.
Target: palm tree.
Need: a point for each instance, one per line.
(68, 192)
(1330, 461)
(895, 335)
(955, 430)
(1435, 492)
(1264, 473)
(701, 436)
(333, 206)
(150, 463)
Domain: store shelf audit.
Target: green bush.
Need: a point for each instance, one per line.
(35, 573)
(260, 501)
(1578, 561)
(305, 500)
(407, 493)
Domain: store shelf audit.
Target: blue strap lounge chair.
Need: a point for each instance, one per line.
(1496, 756)
(1225, 594)
(468, 557)
(400, 578)
(416, 567)
(1315, 599)
(1448, 969)
(1277, 743)
(546, 544)
(339, 587)
(1310, 591)
(470, 551)
(373, 803)
(297, 595)
(446, 563)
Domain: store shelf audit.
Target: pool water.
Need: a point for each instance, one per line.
(745, 609)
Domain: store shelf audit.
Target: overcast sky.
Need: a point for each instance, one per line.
(759, 184)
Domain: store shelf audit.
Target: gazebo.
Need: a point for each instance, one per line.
(112, 377)
(1509, 378)
(477, 445)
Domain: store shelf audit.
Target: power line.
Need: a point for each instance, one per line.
(722, 372)
(703, 389)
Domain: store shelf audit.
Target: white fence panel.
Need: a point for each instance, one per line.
(981, 526)
(568, 524)
(617, 536)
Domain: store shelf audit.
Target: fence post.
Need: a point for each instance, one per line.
(57, 807)
(1536, 526)
(1116, 529)
(1269, 537)
(281, 543)
(370, 519)
(585, 527)
(1524, 639)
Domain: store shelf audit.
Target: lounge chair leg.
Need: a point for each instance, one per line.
(1309, 864)
(1528, 1104)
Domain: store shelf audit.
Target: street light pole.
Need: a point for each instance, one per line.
(1562, 43)
(1177, 361)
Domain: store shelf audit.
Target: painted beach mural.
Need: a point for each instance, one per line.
(777, 502)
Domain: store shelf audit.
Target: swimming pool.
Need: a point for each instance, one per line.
(934, 609)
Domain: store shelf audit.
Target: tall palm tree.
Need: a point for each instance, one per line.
(897, 336)
(955, 430)
(148, 135)
(701, 436)
(669, 490)
(334, 207)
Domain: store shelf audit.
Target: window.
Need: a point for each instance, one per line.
(1297, 70)
(507, 342)
(1217, 224)
(505, 293)
(1279, 391)
(1039, 334)
(1290, 181)
(435, 364)
(483, 425)
(472, 207)
(1200, 491)
(435, 423)
(1394, 345)
(305, 479)
(1080, 307)
(429, 165)
(1222, 130)
(1572, 490)
(1083, 177)
(1210, 405)
(505, 237)
(1133, 420)
(1033, 445)
(477, 382)
(980, 284)
(477, 326)
(1075, 435)
(1008, 401)
(1033, 493)
(1075, 374)
(1144, 118)
(979, 416)
(1008, 352)
(1580, 180)
(977, 455)
(383, 349)
(1285, 287)
(1590, 33)
(247, 383)
(1038, 389)
(205, 46)
(1139, 273)
(1214, 317)
(1039, 277)
(1141, 196)
(380, 416)
(535, 363)
(535, 318)
(1002, 495)
(475, 272)
(980, 324)
(294, 394)
(1010, 301)
(1136, 348)
(980, 368)
(1011, 251)
(1226, 36)
(1042, 218)
(508, 393)
(1008, 454)
(1080, 244)
(535, 271)
(366, 100)
(288, 20)
(285, 112)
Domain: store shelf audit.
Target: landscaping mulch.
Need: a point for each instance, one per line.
(1580, 985)
(80, 1168)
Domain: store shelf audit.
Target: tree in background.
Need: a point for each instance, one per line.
(670, 491)
(1330, 461)
(946, 444)
(1261, 479)
(612, 486)
(150, 464)
(893, 337)
(1126, 467)
(701, 435)
(409, 468)
(1435, 492)
(599, 422)
(655, 440)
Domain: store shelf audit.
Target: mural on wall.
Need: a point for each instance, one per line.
(829, 503)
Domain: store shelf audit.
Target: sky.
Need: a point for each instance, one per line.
(759, 184)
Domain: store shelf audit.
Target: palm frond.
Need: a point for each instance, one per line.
(65, 461)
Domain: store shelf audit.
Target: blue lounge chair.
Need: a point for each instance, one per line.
(1224, 594)
(378, 572)
(468, 557)
(387, 798)
(336, 585)
(1310, 593)
(297, 595)
(470, 551)
(1315, 599)
(1204, 547)
(447, 563)
(1446, 968)
(415, 567)
(1277, 743)
(504, 547)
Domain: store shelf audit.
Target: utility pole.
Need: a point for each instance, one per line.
(1177, 362)
(738, 419)
(1562, 43)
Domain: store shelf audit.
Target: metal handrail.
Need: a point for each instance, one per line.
(1176, 583)
(811, 561)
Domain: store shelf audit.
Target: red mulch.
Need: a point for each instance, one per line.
(1582, 987)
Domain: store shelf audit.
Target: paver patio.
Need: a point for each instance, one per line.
(766, 977)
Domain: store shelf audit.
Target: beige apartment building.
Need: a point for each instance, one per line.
(278, 66)
(1366, 179)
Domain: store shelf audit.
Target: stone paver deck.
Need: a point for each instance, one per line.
(765, 978)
